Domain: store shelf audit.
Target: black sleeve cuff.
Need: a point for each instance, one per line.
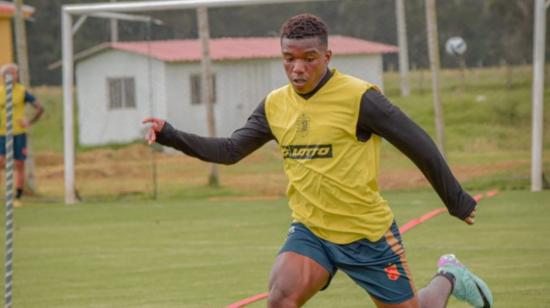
(468, 205)
(165, 133)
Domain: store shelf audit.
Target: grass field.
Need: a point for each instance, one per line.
(203, 253)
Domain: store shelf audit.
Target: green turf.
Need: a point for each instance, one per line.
(485, 115)
(200, 253)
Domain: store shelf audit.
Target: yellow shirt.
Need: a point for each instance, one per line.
(333, 188)
(18, 109)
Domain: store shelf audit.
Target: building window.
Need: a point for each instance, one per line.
(196, 88)
(122, 92)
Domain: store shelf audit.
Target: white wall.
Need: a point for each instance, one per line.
(180, 112)
(98, 124)
(244, 85)
(240, 87)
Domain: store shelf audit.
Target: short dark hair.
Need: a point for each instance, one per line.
(305, 26)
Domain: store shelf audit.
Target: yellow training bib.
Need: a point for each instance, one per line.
(333, 187)
(18, 109)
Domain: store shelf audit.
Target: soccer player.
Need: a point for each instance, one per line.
(329, 126)
(20, 124)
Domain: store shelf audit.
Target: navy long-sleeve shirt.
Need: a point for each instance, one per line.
(376, 116)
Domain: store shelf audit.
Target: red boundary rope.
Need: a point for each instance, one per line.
(248, 300)
(406, 227)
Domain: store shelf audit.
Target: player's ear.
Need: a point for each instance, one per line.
(328, 55)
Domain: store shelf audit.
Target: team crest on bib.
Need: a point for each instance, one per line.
(302, 125)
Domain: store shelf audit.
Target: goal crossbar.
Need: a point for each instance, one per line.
(164, 5)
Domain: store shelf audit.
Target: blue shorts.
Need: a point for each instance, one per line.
(378, 267)
(19, 146)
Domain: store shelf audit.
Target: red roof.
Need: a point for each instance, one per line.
(8, 9)
(242, 48)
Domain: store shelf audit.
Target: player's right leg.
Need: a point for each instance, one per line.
(19, 155)
(2, 157)
(2, 152)
(294, 280)
(301, 269)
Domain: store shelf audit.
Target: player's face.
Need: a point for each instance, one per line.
(305, 61)
(13, 73)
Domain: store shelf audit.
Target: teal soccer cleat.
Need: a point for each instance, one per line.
(467, 286)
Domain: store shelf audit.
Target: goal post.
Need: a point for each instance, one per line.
(537, 146)
(110, 9)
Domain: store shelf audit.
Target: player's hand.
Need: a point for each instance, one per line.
(471, 219)
(155, 127)
(24, 123)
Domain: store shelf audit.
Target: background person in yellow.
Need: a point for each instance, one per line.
(329, 127)
(21, 97)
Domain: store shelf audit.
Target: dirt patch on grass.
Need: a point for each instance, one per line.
(258, 177)
(413, 178)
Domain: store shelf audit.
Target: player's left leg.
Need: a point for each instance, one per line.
(19, 178)
(435, 295)
(380, 267)
(410, 303)
(466, 285)
(452, 278)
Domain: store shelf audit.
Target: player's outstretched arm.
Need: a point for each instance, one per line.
(242, 142)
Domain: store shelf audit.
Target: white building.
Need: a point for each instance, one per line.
(119, 84)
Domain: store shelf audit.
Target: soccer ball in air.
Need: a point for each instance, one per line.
(455, 46)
